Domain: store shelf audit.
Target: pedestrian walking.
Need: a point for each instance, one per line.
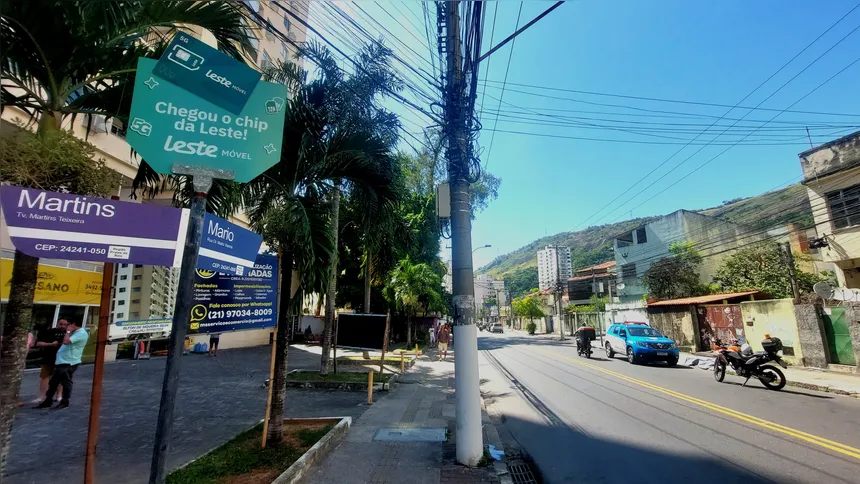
(443, 339)
(433, 336)
(67, 362)
(214, 339)
(49, 342)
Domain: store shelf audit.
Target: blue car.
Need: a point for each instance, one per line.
(640, 343)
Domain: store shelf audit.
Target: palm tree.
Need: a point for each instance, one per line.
(62, 59)
(289, 205)
(413, 287)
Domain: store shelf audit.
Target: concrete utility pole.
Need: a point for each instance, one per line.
(469, 441)
(558, 293)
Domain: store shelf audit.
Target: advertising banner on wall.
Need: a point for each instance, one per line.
(75, 227)
(57, 285)
(227, 302)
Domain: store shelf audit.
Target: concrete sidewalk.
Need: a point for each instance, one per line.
(423, 400)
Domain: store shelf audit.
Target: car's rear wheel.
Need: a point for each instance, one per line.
(631, 356)
(609, 352)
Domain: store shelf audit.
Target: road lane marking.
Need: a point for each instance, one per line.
(798, 434)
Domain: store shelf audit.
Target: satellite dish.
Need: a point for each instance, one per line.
(620, 286)
(823, 289)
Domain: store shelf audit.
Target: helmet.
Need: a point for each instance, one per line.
(746, 350)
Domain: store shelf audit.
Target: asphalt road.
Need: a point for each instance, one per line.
(606, 421)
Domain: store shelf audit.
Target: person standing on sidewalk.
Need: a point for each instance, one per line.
(214, 339)
(49, 343)
(443, 339)
(67, 362)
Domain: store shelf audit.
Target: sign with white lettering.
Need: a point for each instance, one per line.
(151, 328)
(75, 227)
(170, 125)
(199, 69)
(226, 247)
(226, 302)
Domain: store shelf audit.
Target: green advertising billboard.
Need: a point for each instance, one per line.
(170, 125)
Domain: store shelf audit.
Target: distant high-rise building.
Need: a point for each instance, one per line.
(553, 267)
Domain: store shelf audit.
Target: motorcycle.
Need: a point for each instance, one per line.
(752, 365)
(584, 337)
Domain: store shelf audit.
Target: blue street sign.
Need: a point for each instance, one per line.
(226, 247)
(199, 69)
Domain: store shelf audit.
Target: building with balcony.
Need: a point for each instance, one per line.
(831, 174)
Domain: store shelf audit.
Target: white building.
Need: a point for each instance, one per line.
(488, 288)
(553, 266)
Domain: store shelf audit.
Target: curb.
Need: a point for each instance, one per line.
(319, 450)
(493, 438)
(798, 384)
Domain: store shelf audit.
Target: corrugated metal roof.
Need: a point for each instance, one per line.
(702, 299)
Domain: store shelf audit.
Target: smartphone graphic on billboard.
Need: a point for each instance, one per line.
(185, 58)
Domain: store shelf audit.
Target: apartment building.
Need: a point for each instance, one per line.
(146, 292)
(554, 267)
(487, 289)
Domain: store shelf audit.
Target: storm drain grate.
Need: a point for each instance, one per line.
(521, 474)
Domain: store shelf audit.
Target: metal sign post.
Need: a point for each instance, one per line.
(202, 178)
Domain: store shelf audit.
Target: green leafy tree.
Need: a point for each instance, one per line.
(677, 275)
(62, 58)
(528, 307)
(762, 268)
(413, 288)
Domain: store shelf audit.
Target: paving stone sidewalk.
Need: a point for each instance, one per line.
(218, 398)
(424, 398)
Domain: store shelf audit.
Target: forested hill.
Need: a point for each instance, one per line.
(594, 244)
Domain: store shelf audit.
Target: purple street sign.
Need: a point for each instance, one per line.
(66, 226)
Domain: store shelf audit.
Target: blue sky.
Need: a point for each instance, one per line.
(714, 52)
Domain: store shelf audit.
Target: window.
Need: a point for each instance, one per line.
(287, 24)
(120, 315)
(124, 266)
(253, 5)
(138, 266)
(266, 61)
(135, 289)
(134, 315)
(121, 302)
(135, 301)
(625, 240)
(137, 278)
(123, 277)
(269, 36)
(844, 207)
(284, 55)
(628, 271)
(122, 289)
(641, 236)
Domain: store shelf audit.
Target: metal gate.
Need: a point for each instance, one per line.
(725, 323)
(838, 337)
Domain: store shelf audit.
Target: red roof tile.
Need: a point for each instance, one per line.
(702, 299)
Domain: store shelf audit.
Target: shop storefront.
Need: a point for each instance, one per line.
(64, 290)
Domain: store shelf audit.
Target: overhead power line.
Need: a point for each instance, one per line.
(513, 36)
(786, 64)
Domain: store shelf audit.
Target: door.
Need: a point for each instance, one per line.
(838, 338)
(619, 342)
(726, 322)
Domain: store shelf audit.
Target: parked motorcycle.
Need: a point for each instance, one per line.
(752, 365)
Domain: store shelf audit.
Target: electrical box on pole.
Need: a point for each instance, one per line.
(443, 201)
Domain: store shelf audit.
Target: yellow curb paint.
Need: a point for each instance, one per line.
(806, 437)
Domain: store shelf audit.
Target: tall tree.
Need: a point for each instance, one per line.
(677, 275)
(762, 268)
(62, 59)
